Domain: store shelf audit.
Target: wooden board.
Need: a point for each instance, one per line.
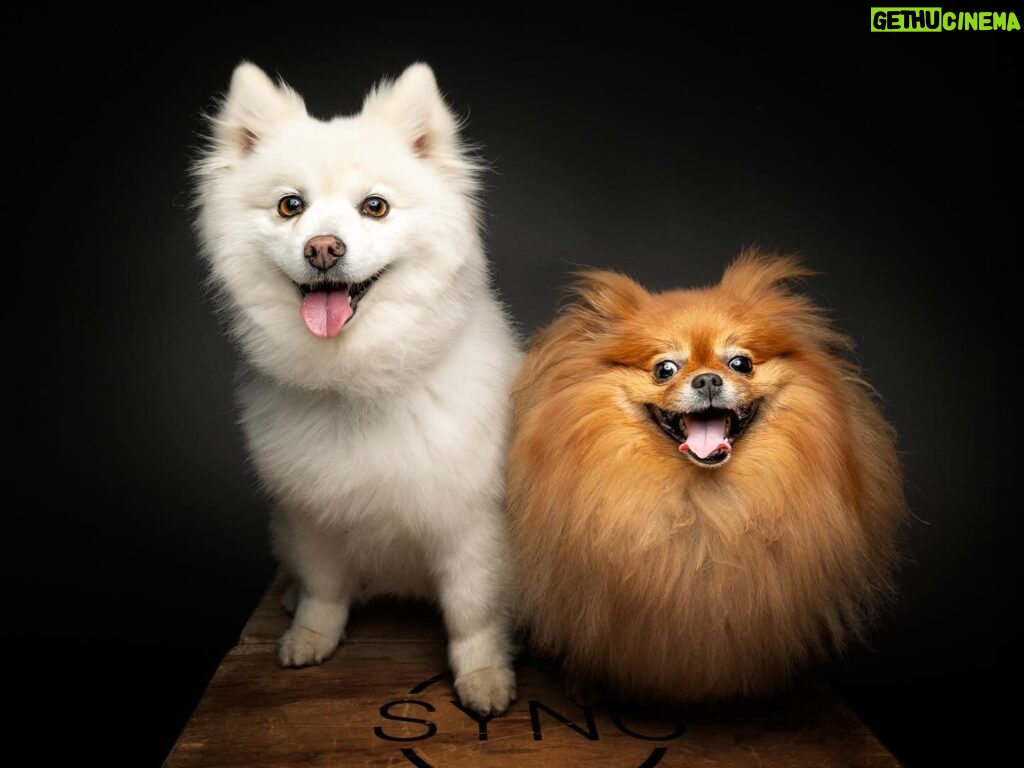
(386, 699)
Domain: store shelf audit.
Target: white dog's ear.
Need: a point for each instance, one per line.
(253, 108)
(415, 106)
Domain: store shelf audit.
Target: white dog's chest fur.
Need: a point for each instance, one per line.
(396, 479)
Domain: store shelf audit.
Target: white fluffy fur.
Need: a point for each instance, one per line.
(382, 448)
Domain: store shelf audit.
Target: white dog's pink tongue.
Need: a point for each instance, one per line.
(325, 312)
(705, 436)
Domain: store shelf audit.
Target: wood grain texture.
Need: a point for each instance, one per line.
(348, 712)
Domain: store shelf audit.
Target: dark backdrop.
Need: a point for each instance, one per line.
(890, 162)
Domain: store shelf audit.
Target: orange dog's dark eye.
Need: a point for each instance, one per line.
(665, 370)
(375, 207)
(290, 205)
(741, 364)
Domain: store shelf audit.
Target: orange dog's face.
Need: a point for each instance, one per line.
(703, 365)
(699, 376)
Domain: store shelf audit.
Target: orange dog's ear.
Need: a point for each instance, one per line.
(599, 296)
(764, 282)
(756, 273)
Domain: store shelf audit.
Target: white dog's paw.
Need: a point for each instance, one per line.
(300, 647)
(487, 691)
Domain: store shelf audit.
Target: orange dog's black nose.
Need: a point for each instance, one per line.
(323, 251)
(708, 383)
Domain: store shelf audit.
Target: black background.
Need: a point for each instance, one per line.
(890, 162)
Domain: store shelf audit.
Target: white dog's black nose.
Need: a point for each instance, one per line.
(708, 383)
(323, 251)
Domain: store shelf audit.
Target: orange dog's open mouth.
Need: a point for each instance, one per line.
(706, 437)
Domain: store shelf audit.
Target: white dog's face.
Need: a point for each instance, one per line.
(347, 250)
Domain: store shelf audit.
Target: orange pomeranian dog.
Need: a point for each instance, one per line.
(703, 494)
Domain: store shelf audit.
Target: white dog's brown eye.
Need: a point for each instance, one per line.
(290, 205)
(375, 207)
(665, 370)
(741, 364)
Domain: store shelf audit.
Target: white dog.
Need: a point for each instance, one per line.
(352, 274)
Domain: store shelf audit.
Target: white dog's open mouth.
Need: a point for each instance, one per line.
(706, 437)
(327, 305)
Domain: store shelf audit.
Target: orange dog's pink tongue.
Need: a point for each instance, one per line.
(705, 436)
(325, 312)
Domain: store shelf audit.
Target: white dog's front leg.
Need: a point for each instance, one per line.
(325, 590)
(473, 593)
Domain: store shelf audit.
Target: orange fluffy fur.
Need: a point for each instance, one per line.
(665, 579)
